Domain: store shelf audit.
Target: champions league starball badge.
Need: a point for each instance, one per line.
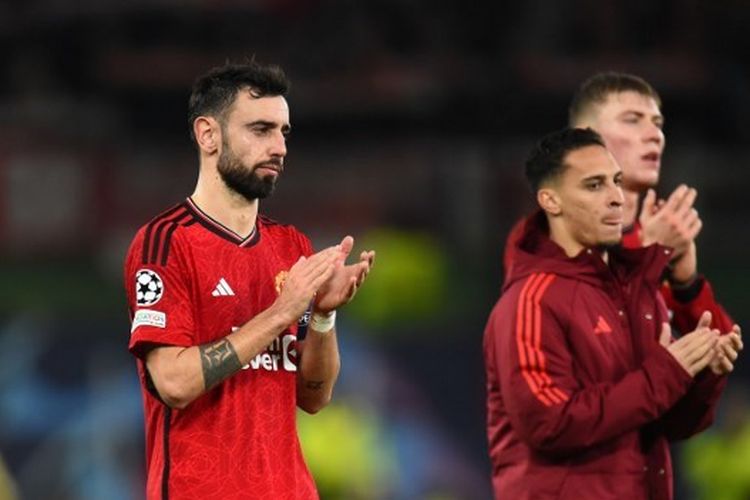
(148, 287)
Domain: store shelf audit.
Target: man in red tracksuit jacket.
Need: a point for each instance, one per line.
(584, 386)
(626, 111)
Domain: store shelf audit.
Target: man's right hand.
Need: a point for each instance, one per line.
(695, 350)
(303, 280)
(673, 223)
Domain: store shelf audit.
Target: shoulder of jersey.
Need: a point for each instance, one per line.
(269, 222)
(158, 233)
(273, 226)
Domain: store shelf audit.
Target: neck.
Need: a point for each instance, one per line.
(563, 238)
(223, 205)
(630, 207)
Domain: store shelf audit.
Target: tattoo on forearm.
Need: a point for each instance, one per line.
(219, 360)
(314, 385)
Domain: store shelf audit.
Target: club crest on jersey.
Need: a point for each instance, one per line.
(279, 281)
(148, 287)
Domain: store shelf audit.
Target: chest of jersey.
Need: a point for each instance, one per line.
(231, 284)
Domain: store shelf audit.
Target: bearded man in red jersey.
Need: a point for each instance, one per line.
(219, 299)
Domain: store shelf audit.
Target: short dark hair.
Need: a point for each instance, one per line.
(214, 92)
(598, 87)
(547, 158)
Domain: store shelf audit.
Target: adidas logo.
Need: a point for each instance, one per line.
(222, 289)
(602, 326)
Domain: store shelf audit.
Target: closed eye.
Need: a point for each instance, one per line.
(632, 118)
(261, 129)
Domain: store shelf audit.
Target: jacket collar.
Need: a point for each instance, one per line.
(536, 252)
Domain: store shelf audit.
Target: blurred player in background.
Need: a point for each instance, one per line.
(626, 111)
(584, 386)
(219, 298)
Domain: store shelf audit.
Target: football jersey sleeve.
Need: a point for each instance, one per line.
(158, 299)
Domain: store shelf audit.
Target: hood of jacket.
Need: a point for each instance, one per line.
(535, 252)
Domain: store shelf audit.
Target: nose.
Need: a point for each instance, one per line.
(616, 196)
(278, 145)
(653, 133)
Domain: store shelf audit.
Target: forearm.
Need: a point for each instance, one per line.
(595, 414)
(182, 374)
(318, 370)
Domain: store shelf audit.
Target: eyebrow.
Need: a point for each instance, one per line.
(598, 177)
(640, 114)
(285, 129)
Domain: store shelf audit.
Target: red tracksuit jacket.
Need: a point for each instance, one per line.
(581, 398)
(687, 306)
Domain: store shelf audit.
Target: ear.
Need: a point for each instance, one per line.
(588, 117)
(549, 200)
(207, 134)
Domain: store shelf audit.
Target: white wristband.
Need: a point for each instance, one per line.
(323, 323)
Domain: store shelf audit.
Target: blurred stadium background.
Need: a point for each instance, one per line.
(411, 121)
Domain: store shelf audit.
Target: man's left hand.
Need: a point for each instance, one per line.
(728, 350)
(345, 280)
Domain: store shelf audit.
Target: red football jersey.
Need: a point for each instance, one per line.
(190, 281)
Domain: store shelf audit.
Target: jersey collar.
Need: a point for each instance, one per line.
(220, 229)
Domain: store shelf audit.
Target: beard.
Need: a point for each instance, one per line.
(245, 181)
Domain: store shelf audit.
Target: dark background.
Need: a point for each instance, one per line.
(411, 122)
